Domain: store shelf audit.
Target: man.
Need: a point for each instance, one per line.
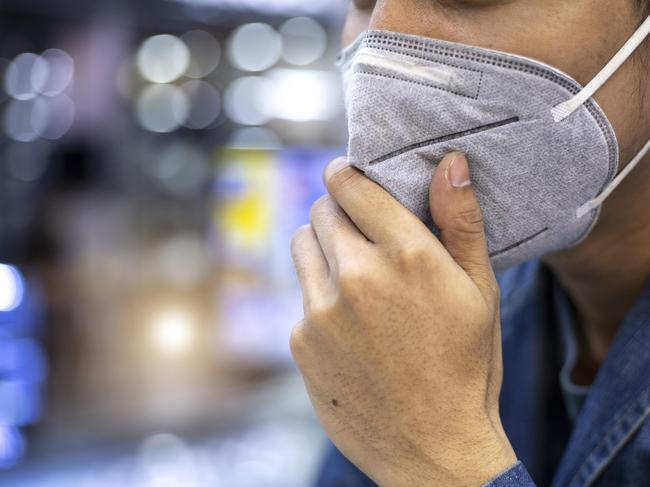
(422, 369)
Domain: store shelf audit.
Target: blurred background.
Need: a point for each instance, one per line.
(156, 157)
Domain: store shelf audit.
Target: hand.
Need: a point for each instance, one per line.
(400, 347)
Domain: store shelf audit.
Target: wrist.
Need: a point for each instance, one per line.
(472, 462)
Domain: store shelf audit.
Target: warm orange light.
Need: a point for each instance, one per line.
(173, 331)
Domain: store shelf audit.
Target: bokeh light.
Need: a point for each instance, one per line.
(205, 53)
(173, 331)
(255, 47)
(181, 169)
(301, 95)
(11, 288)
(12, 446)
(60, 72)
(163, 58)
(26, 76)
(242, 100)
(255, 138)
(167, 285)
(166, 460)
(20, 402)
(162, 108)
(22, 360)
(205, 104)
(304, 41)
(52, 117)
(18, 120)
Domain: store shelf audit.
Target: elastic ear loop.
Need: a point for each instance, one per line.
(565, 109)
(598, 200)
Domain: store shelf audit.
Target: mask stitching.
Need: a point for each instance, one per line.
(482, 58)
(519, 244)
(515, 65)
(444, 138)
(420, 83)
(422, 58)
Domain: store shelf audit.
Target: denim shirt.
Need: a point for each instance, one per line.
(606, 445)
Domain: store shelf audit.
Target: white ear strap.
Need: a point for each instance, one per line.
(598, 200)
(563, 110)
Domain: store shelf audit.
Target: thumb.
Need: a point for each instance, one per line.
(456, 211)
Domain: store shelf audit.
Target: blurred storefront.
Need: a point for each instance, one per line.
(155, 159)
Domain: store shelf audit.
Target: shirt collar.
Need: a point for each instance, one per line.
(574, 395)
(618, 402)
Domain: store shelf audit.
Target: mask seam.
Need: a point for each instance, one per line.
(420, 83)
(518, 244)
(443, 139)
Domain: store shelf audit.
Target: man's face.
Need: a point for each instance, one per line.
(577, 36)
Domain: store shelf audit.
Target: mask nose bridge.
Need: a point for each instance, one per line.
(436, 73)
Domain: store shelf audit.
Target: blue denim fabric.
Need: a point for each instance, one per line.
(609, 444)
(515, 476)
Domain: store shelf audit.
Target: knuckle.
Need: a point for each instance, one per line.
(319, 315)
(352, 282)
(414, 254)
(297, 342)
(341, 178)
(327, 214)
(469, 221)
(299, 237)
(322, 205)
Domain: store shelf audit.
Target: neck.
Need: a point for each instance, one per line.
(605, 274)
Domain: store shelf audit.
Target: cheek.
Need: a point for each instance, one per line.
(622, 100)
(356, 22)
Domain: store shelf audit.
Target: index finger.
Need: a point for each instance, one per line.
(378, 215)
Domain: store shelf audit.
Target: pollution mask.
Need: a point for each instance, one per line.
(543, 155)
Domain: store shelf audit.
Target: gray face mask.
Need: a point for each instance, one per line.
(543, 155)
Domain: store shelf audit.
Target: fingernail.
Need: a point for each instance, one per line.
(458, 171)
